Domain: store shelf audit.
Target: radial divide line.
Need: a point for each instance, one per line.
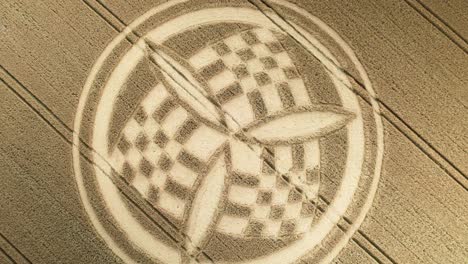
(282, 176)
(437, 153)
(126, 190)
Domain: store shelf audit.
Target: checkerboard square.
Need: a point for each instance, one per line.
(141, 141)
(183, 175)
(163, 110)
(131, 130)
(174, 120)
(287, 227)
(250, 37)
(133, 157)
(255, 228)
(140, 115)
(231, 60)
(160, 138)
(221, 48)
(118, 160)
(171, 204)
(272, 228)
(203, 58)
(165, 162)
(268, 181)
(158, 178)
(150, 127)
(152, 194)
(291, 73)
(264, 197)
(154, 98)
(269, 62)
(294, 196)
(241, 71)
(272, 99)
(299, 92)
(123, 145)
(264, 35)
(254, 66)
(128, 172)
(177, 190)
(205, 142)
(236, 42)
(277, 212)
(146, 167)
(173, 149)
(141, 184)
(232, 225)
(292, 211)
(262, 78)
(307, 209)
(303, 224)
(229, 93)
(280, 196)
(277, 75)
(246, 54)
(219, 82)
(261, 212)
(261, 51)
(243, 195)
(248, 84)
(275, 47)
(212, 69)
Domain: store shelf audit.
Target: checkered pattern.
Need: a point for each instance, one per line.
(251, 75)
(163, 150)
(273, 210)
(260, 202)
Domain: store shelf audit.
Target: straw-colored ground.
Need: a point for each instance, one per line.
(415, 53)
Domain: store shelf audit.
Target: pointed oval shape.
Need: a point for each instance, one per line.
(205, 205)
(299, 124)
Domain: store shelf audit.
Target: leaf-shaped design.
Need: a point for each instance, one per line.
(299, 124)
(205, 204)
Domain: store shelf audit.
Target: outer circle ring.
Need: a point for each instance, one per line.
(108, 50)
